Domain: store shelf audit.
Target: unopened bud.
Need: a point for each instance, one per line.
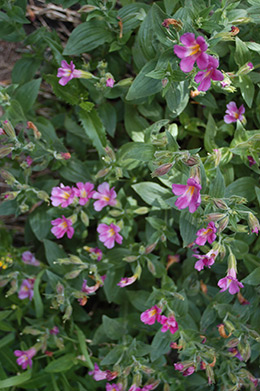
(88, 8)
(24, 208)
(171, 259)
(245, 69)
(253, 223)
(130, 258)
(142, 210)
(60, 288)
(8, 128)
(37, 134)
(147, 370)
(73, 218)
(11, 195)
(67, 314)
(232, 343)
(103, 172)
(165, 81)
(220, 203)
(210, 374)
(191, 161)
(245, 350)
(234, 30)
(30, 146)
(150, 248)
(4, 151)
(73, 274)
(65, 155)
(194, 93)
(125, 82)
(84, 218)
(162, 170)
(203, 287)
(138, 271)
(42, 195)
(151, 267)
(118, 172)
(215, 216)
(110, 153)
(229, 326)
(115, 212)
(222, 224)
(166, 387)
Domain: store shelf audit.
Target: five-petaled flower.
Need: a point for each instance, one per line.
(26, 289)
(206, 234)
(67, 72)
(205, 259)
(169, 323)
(62, 226)
(84, 191)
(62, 195)
(151, 315)
(233, 113)
(108, 234)
(110, 82)
(230, 282)
(190, 195)
(25, 357)
(192, 51)
(105, 196)
(211, 73)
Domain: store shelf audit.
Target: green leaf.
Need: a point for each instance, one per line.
(37, 297)
(15, 111)
(61, 364)
(188, 227)
(137, 151)
(94, 129)
(177, 97)
(6, 340)
(161, 344)
(83, 348)
(40, 223)
(8, 207)
(170, 5)
(108, 116)
(209, 138)
(242, 187)
(208, 317)
(131, 14)
(87, 36)
(113, 356)
(25, 69)
(138, 299)
(27, 93)
(76, 171)
(247, 89)
(253, 278)
(152, 193)
(217, 186)
(143, 85)
(242, 55)
(114, 329)
(68, 93)
(134, 123)
(52, 253)
(16, 380)
(145, 37)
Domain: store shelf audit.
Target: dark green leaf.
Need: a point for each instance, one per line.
(188, 227)
(61, 364)
(253, 278)
(27, 93)
(94, 129)
(217, 186)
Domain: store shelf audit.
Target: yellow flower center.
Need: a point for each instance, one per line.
(105, 198)
(111, 232)
(66, 195)
(83, 193)
(64, 224)
(152, 312)
(190, 190)
(196, 49)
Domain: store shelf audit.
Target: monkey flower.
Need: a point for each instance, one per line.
(190, 195)
(108, 234)
(62, 196)
(211, 73)
(84, 191)
(205, 260)
(114, 387)
(61, 227)
(105, 196)
(206, 234)
(125, 281)
(67, 72)
(169, 323)
(230, 282)
(26, 290)
(233, 113)
(192, 51)
(25, 357)
(30, 259)
(151, 315)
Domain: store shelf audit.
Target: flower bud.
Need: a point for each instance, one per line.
(162, 170)
(73, 274)
(8, 128)
(220, 203)
(234, 30)
(85, 75)
(4, 151)
(151, 267)
(110, 153)
(24, 208)
(222, 224)
(73, 218)
(11, 195)
(150, 248)
(142, 210)
(88, 8)
(232, 343)
(222, 332)
(115, 212)
(103, 172)
(42, 195)
(67, 314)
(130, 258)
(84, 218)
(215, 216)
(210, 374)
(65, 155)
(245, 350)
(138, 271)
(253, 223)
(229, 326)
(36, 133)
(30, 146)
(177, 24)
(125, 82)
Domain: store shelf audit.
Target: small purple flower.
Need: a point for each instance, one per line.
(211, 73)
(62, 195)
(110, 82)
(97, 373)
(84, 191)
(108, 234)
(205, 260)
(250, 66)
(61, 227)
(125, 281)
(235, 353)
(105, 196)
(54, 331)
(26, 290)
(95, 252)
(192, 51)
(151, 315)
(29, 259)
(67, 72)
(230, 282)
(186, 371)
(251, 160)
(206, 234)
(25, 357)
(89, 289)
(114, 387)
(190, 195)
(29, 161)
(169, 323)
(233, 113)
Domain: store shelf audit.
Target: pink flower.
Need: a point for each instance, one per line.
(95, 252)
(29, 161)
(206, 234)
(114, 387)
(26, 289)
(89, 289)
(29, 259)
(211, 73)
(169, 323)
(193, 50)
(127, 281)
(25, 357)
(134, 388)
(62, 196)
(205, 260)
(84, 192)
(54, 331)
(61, 227)
(235, 353)
(2, 131)
(190, 195)
(67, 72)
(151, 315)
(109, 234)
(97, 373)
(186, 371)
(105, 196)
(230, 282)
(65, 155)
(250, 65)
(233, 114)
(251, 160)
(110, 82)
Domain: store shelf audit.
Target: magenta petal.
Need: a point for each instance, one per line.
(188, 39)
(180, 51)
(199, 76)
(231, 106)
(217, 75)
(228, 119)
(241, 109)
(187, 64)
(205, 84)
(179, 189)
(182, 202)
(202, 61)
(201, 41)
(233, 288)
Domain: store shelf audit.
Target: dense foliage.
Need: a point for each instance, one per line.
(130, 160)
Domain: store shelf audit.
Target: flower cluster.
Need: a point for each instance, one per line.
(153, 314)
(194, 50)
